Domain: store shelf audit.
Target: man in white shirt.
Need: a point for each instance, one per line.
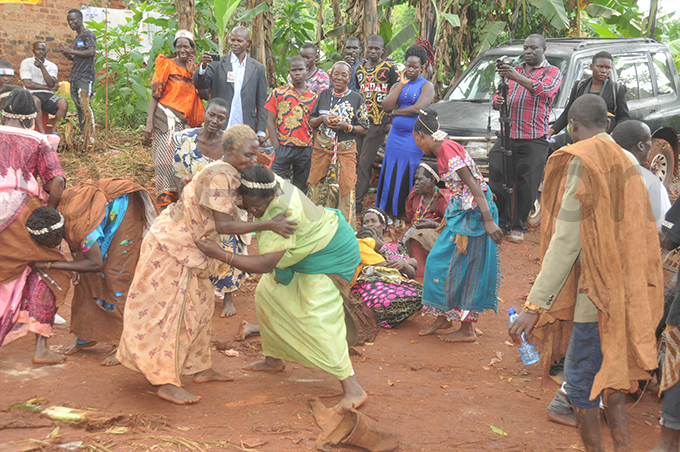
(40, 78)
(238, 79)
(636, 138)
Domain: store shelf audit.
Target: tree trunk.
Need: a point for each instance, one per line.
(355, 16)
(370, 19)
(261, 40)
(319, 24)
(426, 15)
(186, 12)
(337, 21)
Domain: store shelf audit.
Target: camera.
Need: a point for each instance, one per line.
(215, 56)
(504, 61)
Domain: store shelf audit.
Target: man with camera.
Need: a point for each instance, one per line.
(238, 79)
(40, 78)
(354, 56)
(531, 88)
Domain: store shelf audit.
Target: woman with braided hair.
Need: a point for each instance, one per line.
(30, 177)
(405, 100)
(462, 273)
(302, 295)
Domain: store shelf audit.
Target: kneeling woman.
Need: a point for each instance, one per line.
(104, 224)
(300, 307)
(465, 251)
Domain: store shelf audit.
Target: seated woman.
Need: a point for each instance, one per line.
(104, 224)
(384, 277)
(300, 306)
(425, 209)
(196, 149)
(30, 177)
(169, 308)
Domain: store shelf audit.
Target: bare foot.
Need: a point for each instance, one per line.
(228, 308)
(211, 375)
(76, 347)
(48, 357)
(562, 418)
(466, 333)
(268, 364)
(245, 329)
(177, 395)
(439, 323)
(354, 395)
(111, 359)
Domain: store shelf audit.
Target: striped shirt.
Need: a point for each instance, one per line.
(530, 112)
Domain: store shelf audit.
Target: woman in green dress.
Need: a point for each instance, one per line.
(300, 306)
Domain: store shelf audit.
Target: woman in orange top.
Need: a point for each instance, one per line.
(174, 104)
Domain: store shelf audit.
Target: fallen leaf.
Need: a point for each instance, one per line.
(497, 359)
(648, 423)
(231, 352)
(478, 331)
(444, 386)
(389, 382)
(184, 429)
(54, 432)
(497, 430)
(38, 401)
(509, 379)
(577, 447)
(486, 367)
(414, 342)
(502, 300)
(117, 430)
(509, 344)
(253, 442)
(368, 343)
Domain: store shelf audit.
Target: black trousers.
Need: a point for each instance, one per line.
(301, 160)
(367, 148)
(526, 168)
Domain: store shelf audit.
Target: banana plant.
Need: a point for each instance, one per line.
(224, 10)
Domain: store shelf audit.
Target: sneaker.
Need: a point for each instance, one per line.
(516, 237)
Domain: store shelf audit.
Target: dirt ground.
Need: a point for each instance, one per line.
(437, 396)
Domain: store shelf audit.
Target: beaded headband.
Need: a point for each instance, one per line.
(437, 135)
(375, 211)
(341, 62)
(429, 169)
(258, 185)
(9, 115)
(6, 71)
(46, 230)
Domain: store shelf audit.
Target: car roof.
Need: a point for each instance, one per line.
(565, 47)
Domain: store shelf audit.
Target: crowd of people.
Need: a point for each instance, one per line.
(146, 271)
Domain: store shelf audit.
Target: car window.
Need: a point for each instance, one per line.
(634, 72)
(664, 84)
(479, 83)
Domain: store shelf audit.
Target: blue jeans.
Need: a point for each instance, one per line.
(583, 361)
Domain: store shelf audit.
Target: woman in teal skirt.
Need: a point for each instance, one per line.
(462, 273)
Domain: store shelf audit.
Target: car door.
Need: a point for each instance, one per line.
(665, 80)
(633, 70)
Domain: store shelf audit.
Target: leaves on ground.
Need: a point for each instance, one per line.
(496, 430)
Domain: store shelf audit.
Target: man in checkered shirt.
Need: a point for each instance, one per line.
(532, 86)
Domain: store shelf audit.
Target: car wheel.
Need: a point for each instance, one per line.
(534, 218)
(661, 160)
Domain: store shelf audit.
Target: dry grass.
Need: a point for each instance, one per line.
(119, 154)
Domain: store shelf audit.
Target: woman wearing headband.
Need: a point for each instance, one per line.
(174, 105)
(338, 117)
(405, 100)
(104, 222)
(30, 177)
(169, 307)
(425, 208)
(462, 273)
(299, 299)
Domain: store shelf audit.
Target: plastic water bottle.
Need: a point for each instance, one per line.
(527, 351)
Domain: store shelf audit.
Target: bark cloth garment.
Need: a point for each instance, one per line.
(614, 235)
(27, 302)
(169, 308)
(300, 310)
(84, 208)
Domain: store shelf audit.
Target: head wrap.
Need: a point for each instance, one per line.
(184, 34)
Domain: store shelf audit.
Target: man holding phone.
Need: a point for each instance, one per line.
(238, 79)
(40, 78)
(354, 56)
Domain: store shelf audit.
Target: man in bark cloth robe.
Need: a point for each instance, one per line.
(600, 288)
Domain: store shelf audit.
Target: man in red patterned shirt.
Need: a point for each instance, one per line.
(532, 87)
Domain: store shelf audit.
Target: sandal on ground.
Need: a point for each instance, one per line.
(516, 237)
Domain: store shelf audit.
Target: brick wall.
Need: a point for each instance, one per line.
(23, 24)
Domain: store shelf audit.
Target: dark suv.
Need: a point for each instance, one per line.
(643, 65)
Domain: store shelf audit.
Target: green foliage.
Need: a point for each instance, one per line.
(293, 26)
(224, 10)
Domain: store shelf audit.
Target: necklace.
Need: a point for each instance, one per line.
(419, 215)
(339, 97)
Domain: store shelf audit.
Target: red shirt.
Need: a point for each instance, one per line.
(529, 113)
(292, 115)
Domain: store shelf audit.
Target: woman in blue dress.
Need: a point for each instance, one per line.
(405, 100)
